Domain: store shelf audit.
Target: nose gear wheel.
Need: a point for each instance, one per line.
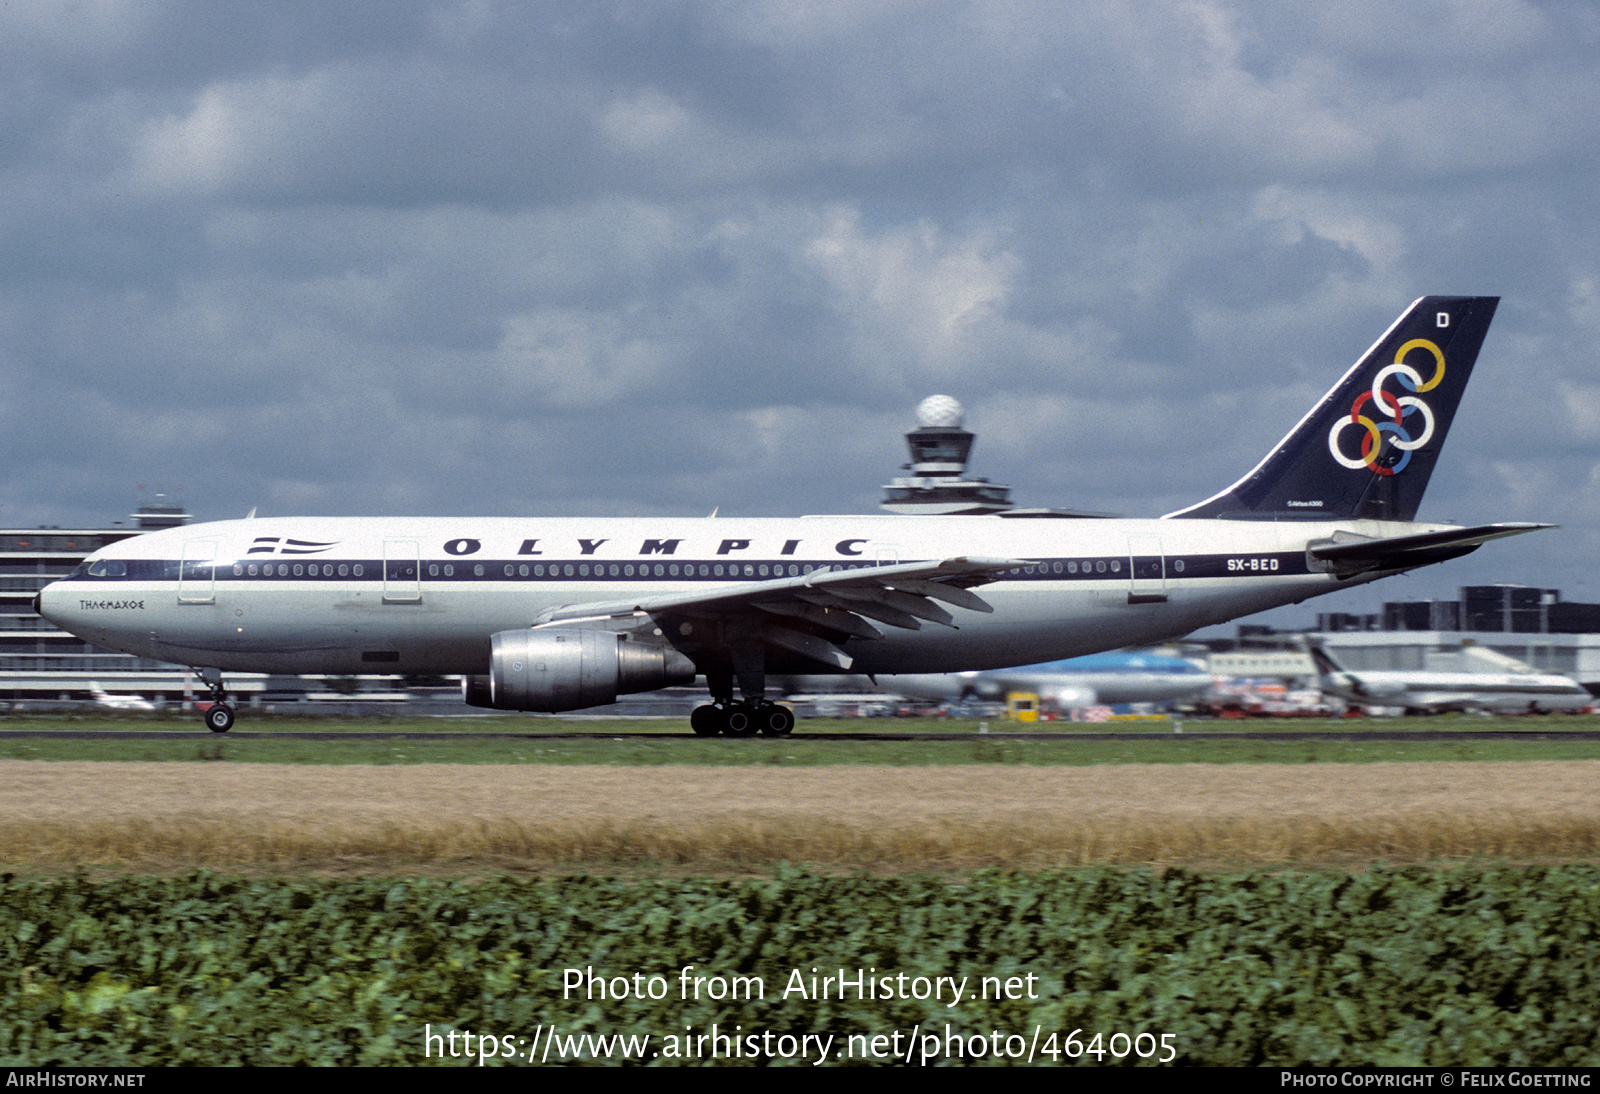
(219, 716)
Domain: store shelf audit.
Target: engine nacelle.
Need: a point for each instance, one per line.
(569, 669)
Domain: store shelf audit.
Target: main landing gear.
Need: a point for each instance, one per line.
(754, 712)
(219, 717)
(742, 720)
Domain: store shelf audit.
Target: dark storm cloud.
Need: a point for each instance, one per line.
(613, 258)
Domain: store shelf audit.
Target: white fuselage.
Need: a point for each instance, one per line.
(424, 595)
(1463, 691)
(121, 702)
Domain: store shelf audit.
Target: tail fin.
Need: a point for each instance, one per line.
(1367, 449)
(1326, 665)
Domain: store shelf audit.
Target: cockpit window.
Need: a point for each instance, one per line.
(108, 567)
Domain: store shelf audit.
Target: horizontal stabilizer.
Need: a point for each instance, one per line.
(1406, 552)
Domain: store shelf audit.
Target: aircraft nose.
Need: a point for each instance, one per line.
(48, 602)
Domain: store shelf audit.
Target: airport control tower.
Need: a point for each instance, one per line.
(938, 485)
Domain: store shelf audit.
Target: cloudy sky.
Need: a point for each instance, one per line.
(652, 258)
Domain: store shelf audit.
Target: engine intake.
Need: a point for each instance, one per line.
(553, 670)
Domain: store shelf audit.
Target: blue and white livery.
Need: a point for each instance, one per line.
(1100, 679)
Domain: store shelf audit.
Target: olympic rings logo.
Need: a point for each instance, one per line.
(1397, 414)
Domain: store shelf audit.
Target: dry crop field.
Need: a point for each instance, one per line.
(1487, 965)
(430, 817)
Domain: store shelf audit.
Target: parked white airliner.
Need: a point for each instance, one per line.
(1526, 692)
(118, 702)
(560, 614)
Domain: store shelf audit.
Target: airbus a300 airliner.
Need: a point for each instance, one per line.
(560, 614)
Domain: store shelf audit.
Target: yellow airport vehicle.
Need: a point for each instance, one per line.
(1022, 706)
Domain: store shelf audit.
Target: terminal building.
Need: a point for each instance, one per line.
(1534, 626)
(30, 647)
(40, 662)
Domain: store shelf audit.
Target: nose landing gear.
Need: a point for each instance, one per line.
(219, 717)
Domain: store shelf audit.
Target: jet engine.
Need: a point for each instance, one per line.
(569, 669)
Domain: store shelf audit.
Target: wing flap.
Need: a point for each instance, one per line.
(837, 598)
(831, 618)
(809, 614)
(939, 590)
(809, 645)
(909, 603)
(966, 569)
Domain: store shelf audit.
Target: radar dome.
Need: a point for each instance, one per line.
(939, 411)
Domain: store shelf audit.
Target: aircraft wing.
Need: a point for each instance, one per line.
(1405, 552)
(810, 614)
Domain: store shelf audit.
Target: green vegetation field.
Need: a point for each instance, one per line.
(667, 741)
(1415, 967)
(601, 725)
